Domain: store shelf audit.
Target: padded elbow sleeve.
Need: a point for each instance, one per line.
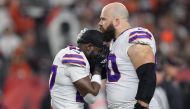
(147, 82)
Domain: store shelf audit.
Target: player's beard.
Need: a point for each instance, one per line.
(109, 33)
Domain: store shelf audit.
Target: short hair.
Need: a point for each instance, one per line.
(90, 36)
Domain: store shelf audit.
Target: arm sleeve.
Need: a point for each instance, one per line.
(147, 82)
(76, 72)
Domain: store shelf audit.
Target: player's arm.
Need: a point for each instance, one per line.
(87, 87)
(143, 60)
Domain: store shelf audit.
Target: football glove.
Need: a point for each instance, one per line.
(100, 61)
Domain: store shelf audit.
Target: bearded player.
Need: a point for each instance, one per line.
(131, 78)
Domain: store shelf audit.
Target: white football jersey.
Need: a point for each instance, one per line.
(122, 79)
(69, 65)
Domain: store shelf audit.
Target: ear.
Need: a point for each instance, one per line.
(89, 46)
(116, 22)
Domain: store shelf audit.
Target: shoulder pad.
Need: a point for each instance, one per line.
(141, 36)
(74, 59)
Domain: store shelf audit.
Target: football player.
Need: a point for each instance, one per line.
(131, 76)
(70, 81)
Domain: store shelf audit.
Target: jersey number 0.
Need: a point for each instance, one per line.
(112, 69)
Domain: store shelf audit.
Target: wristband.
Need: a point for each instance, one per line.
(96, 78)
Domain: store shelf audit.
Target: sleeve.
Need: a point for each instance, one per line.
(74, 59)
(76, 73)
(140, 36)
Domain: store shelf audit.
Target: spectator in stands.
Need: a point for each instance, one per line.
(9, 42)
(170, 85)
(160, 94)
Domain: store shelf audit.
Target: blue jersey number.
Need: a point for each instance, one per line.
(113, 73)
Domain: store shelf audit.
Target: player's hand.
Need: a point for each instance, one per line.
(139, 106)
(100, 61)
(101, 58)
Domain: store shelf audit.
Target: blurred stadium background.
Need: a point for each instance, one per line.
(33, 31)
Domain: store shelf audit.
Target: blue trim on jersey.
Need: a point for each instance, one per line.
(124, 31)
(74, 62)
(73, 56)
(134, 32)
(137, 37)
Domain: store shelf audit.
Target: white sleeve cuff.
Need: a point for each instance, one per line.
(96, 78)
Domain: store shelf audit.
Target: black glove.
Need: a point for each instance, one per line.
(101, 58)
(138, 106)
(100, 61)
(102, 69)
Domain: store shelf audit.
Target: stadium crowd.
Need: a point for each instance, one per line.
(33, 31)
